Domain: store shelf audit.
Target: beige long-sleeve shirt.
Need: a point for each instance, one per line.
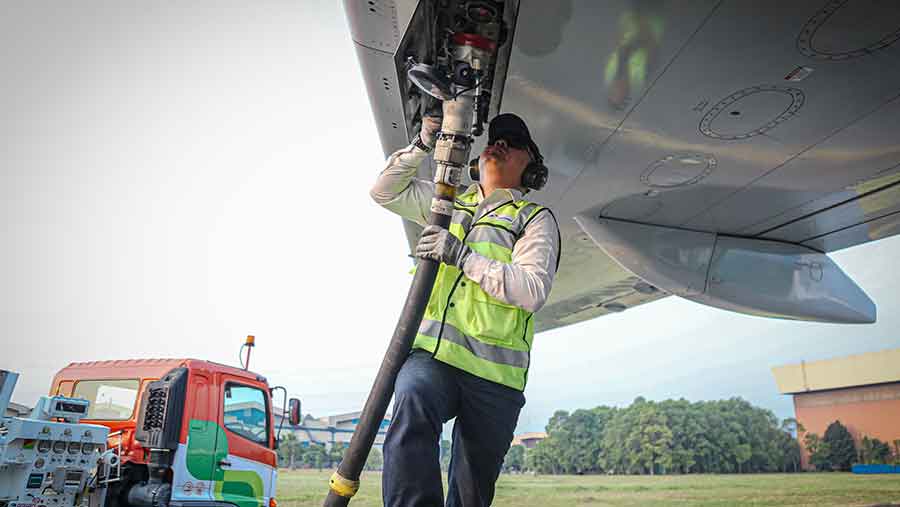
(526, 280)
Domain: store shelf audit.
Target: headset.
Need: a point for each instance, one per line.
(534, 176)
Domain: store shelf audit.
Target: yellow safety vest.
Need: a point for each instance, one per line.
(463, 325)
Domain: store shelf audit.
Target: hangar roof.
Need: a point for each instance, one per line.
(849, 371)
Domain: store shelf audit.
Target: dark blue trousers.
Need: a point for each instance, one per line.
(427, 394)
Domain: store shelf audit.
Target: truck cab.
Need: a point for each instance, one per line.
(188, 432)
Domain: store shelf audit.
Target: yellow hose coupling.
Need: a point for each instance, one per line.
(343, 487)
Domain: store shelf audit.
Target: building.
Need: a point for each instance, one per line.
(862, 391)
(529, 440)
(331, 430)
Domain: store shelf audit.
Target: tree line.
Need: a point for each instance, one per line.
(672, 436)
(678, 436)
(647, 437)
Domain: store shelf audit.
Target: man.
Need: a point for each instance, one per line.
(471, 354)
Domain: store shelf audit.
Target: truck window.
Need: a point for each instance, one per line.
(246, 413)
(111, 400)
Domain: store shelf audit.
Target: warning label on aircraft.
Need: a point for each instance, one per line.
(799, 74)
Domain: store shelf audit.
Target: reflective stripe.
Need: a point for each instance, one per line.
(493, 353)
(492, 234)
(462, 218)
(526, 212)
(464, 204)
(512, 217)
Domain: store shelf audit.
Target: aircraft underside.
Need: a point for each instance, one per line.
(713, 150)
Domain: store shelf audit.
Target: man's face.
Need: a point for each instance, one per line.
(502, 164)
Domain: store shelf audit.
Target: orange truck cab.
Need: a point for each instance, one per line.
(190, 433)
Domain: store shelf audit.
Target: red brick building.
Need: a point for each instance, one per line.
(862, 391)
(529, 440)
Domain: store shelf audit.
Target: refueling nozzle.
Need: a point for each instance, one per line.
(466, 74)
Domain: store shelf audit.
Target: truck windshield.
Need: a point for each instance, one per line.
(111, 400)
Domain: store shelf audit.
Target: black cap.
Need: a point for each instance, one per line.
(512, 129)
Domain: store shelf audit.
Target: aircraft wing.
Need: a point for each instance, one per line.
(715, 150)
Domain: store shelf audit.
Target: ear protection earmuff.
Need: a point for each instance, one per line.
(534, 176)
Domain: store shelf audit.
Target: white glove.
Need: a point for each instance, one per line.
(439, 245)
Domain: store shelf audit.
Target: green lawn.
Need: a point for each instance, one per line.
(307, 488)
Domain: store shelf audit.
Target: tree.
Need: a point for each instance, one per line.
(842, 449)
(637, 439)
(819, 451)
(742, 454)
(651, 441)
(615, 456)
(336, 454)
(289, 450)
(539, 459)
(874, 451)
(515, 459)
(375, 460)
(576, 440)
(556, 420)
(788, 452)
(688, 436)
(792, 426)
(315, 456)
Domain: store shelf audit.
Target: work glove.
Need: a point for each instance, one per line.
(431, 125)
(439, 245)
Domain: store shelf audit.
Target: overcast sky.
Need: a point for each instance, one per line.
(177, 175)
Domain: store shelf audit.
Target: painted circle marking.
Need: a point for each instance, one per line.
(678, 170)
(797, 100)
(819, 19)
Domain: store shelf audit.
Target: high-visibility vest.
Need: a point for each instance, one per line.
(466, 327)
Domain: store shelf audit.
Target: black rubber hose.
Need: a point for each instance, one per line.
(398, 350)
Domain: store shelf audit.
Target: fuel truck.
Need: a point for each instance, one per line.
(149, 433)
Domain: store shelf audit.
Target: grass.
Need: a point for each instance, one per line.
(307, 488)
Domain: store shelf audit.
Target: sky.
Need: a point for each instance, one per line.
(176, 176)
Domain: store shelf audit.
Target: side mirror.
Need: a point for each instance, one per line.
(294, 411)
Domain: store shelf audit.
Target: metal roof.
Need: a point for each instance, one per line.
(849, 371)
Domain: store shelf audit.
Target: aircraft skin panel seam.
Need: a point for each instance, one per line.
(386, 53)
(752, 182)
(709, 265)
(833, 206)
(725, 234)
(820, 236)
(597, 146)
